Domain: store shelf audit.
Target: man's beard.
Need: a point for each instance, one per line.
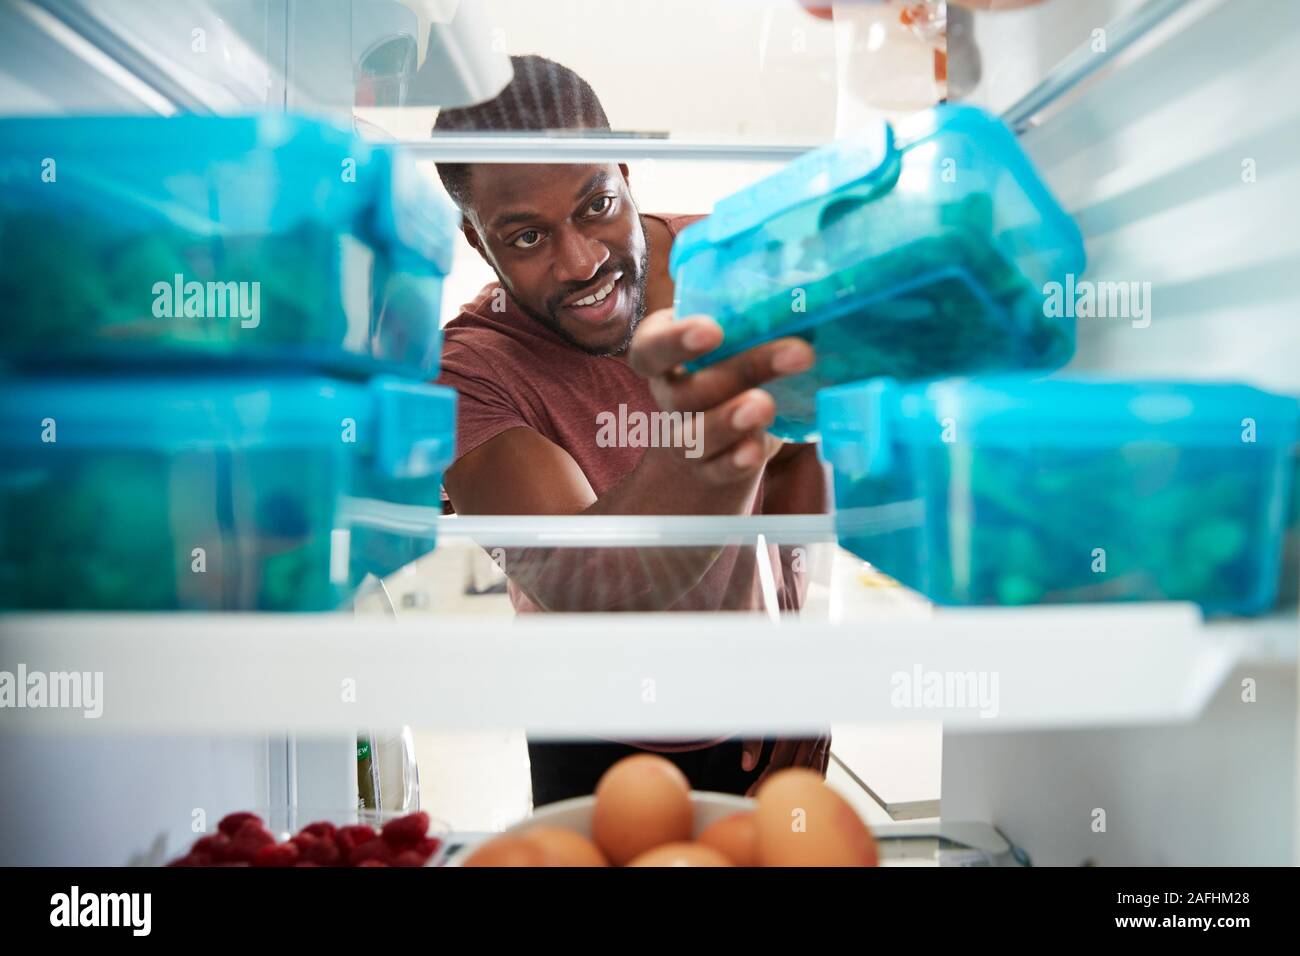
(636, 290)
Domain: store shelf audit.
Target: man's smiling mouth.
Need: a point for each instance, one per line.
(592, 296)
(596, 306)
(598, 296)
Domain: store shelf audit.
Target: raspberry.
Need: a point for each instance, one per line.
(371, 863)
(428, 846)
(323, 829)
(214, 845)
(252, 836)
(375, 849)
(409, 858)
(231, 822)
(406, 830)
(252, 827)
(189, 860)
(302, 863)
(349, 838)
(304, 840)
(284, 854)
(322, 853)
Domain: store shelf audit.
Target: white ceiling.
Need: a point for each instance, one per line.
(749, 70)
(708, 69)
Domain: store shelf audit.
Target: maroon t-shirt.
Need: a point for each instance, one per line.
(510, 371)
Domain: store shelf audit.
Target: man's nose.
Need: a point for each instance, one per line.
(577, 257)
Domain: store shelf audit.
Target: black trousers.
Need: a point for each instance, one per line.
(566, 768)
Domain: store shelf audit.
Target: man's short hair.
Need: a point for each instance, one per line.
(543, 95)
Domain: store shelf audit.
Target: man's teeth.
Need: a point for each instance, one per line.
(598, 295)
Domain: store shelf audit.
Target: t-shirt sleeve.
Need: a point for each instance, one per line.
(676, 223)
(484, 409)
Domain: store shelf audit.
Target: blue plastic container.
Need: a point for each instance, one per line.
(270, 237)
(910, 253)
(1013, 490)
(209, 493)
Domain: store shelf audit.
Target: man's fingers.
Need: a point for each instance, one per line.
(749, 413)
(749, 369)
(783, 753)
(662, 343)
(745, 459)
(749, 754)
(806, 754)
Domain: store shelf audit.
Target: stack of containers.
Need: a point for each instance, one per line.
(910, 255)
(218, 338)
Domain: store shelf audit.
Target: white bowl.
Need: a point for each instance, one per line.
(707, 809)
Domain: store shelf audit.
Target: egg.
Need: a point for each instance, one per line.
(681, 854)
(642, 802)
(800, 821)
(509, 851)
(565, 848)
(735, 837)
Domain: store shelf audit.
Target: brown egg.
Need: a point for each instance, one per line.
(735, 837)
(508, 851)
(642, 802)
(800, 821)
(565, 848)
(681, 854)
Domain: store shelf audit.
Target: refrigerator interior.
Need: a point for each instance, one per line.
(1172, 136)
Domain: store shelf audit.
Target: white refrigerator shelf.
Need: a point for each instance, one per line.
(645, 676)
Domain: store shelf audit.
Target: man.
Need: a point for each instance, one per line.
(578, 324)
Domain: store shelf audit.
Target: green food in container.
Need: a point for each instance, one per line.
(209, 492)
(291, 242)
(1012, 490)
(909, 255)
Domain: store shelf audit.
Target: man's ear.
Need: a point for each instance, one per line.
(471, 236)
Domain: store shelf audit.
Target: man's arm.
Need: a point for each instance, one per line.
(521, 472)
(795, 483)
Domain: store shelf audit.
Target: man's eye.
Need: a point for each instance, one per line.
(526, 240)
(601, 204)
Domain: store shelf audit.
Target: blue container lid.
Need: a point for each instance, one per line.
(859, 422)
(867, 156)
(415, 214)
(999, 149)
(408, 428)
(870, 157)
(220, 175)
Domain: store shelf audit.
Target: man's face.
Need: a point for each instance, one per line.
(567, 244)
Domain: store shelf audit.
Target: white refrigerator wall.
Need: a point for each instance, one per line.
(1183, 171)
(99, 801)
(106, 800)
(1182, 167)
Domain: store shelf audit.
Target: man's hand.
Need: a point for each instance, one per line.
(736, 445)
(813, 753)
